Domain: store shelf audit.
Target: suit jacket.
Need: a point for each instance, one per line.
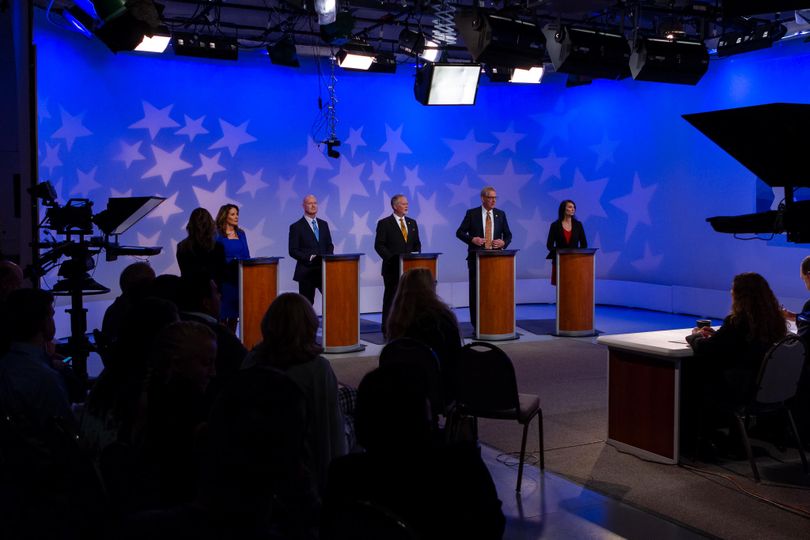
(303, 244)
(390, 244)
(556, 239)
(473, 226)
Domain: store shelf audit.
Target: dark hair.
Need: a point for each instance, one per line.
(24, 312)
(561, 209)
(288, 332)
(194, 288)
(806, 265)
(754, 304)
(11, 278)
(222, 217)
(202, 232)
(136, 275)
(166, 287)
(415, 297)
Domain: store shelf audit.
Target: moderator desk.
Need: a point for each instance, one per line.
(644, 383)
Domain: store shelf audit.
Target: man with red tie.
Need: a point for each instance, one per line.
(483, 227)
(396, 234)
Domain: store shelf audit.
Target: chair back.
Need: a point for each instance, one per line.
(779, 375)
(485, 378)
(418, 355)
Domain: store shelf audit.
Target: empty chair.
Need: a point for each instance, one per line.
(420, 356)
(776, 385)
(486, 387)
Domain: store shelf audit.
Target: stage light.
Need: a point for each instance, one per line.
(760, 37)
(156, 43)
(124, 24)
(447, 84)
(503, 41)
(326, 10)
(383, 62)
(357, 56)
(283, 53)
(661, 60)
(220, 47)
(532, 75)
(417, 44)
(592, 53)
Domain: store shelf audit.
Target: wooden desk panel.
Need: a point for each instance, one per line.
(258, 289)
(341, 305)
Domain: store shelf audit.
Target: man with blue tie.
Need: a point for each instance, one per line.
(483, 227)
(309, 239)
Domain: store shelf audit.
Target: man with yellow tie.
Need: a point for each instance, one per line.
(483, 227)
(396, 234)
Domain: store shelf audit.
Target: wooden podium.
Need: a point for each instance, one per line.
(258, 287)
(341, 303)
(409, 261)
(495, 285)
(575, 286)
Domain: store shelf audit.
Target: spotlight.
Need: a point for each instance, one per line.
(326, 10)
(499, 40)
(581, 51)
(416, 44)
(124, 24)
(661, 60)
(760, 37)
(532, 75)
(384, 62)
(355, 55)
(284, 53)
(156, 43)
(220, 47)
(447, 84)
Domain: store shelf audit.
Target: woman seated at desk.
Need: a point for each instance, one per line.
(727, 361)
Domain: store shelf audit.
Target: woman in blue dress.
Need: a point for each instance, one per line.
(234, 242)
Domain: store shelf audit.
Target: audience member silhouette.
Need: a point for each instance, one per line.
(11, 278)
(439, 490)
(288, 331)
(167, 287)
(134, 281)
(200, 252)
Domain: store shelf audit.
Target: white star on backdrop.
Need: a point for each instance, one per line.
(551, 165)
(209, 166)
(167, 209)
(166, 164)
(115, 193)
(212, 200)
(148, 241)
(555, 124)
(253, 183)
(605, 260)
(412, 180)
(371, 269)
(130, 153)
(192, 127)
(154, 119)
(394, 145)
(71, 128)
(636, 205)
(51, 160)
(166, 262)
(340, 246)
(585, 194)
(604, 150)
(378, 175)
(463, 193)
(286, 192)
(386, 206)
(323, 213)
(508, 184)
(507, 140)
(348, 183)
(233, 136)
(466, 150)
(355, 139)
(429, 218)
(360, 229)
(314, 160)
(648, 262)
(536, 229)
(87, 182)
(257, 240)
(42, 109)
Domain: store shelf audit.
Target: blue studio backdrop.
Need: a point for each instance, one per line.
(204, 132)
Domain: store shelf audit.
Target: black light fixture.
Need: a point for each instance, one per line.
(662, 60)
(530, 75)
(417, 44)
(592, 53)
(219, 47)
(283, 53)
(761, 37)
(447, 84)
(500, 40)
(125, 23)
(356, 55)
(384, 62)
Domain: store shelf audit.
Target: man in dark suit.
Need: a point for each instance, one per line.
(483, 227)
(396, 234)
(309, 239)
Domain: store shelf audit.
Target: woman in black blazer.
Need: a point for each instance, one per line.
(566, 232)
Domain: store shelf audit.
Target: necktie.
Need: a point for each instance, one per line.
(488, 232)
(403, 229)
(315, 230)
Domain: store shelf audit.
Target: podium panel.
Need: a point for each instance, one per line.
(420, 260)
(495, 295)
(341, 303)
(258, 287)
(575, 292)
